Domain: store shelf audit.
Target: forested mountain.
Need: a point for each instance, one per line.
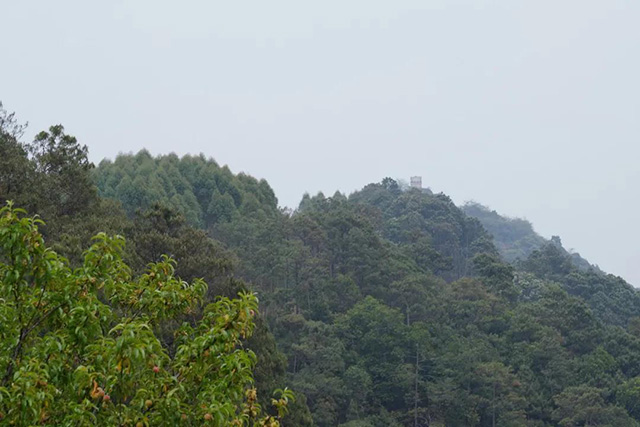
(386, 307)
(515, 238)
(393, 307)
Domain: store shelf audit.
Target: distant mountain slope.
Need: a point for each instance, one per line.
(515, 238)
(612, 299)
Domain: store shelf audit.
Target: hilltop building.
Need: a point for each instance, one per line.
(416, 182)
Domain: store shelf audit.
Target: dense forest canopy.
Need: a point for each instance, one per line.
(390, 306)
(203, 192)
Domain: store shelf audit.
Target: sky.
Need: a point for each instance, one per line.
(529, 107)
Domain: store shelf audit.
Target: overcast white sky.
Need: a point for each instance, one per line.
(530, 107)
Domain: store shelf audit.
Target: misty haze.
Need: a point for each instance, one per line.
(366, 213)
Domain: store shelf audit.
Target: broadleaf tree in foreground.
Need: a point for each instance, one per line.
(78, 346)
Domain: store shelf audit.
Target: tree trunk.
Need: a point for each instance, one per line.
(415, 397)
(493, 403)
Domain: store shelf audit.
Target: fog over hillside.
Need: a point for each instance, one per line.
(528, 107)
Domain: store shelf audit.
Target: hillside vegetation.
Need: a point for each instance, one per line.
(386, 307)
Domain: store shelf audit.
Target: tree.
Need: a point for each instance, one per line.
(15, 169)
(77, 347)
(390, 184)
(499, 396)
(376, 337)
(628, 395)
(65, 167)
(497, 276)
(585, 406)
